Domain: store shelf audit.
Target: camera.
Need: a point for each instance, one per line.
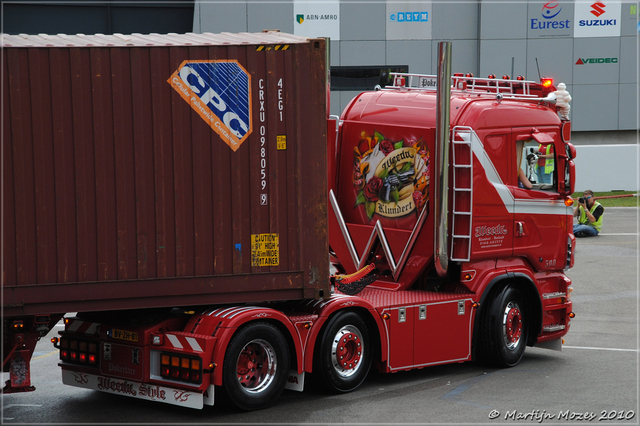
(581, 200)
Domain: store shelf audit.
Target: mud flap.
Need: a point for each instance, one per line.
(554, 345)
(19, 371)
(295, 381)
(208, 396)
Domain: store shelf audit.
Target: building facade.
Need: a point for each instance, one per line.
(592, 47)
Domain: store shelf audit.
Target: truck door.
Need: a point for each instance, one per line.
(491, 233)
(540, 223)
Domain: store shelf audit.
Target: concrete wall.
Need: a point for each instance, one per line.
(607, 167)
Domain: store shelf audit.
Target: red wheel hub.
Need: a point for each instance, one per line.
(256, 366)
(349, 351)
(513, 325)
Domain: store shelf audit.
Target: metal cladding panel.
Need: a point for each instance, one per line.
(162, 170)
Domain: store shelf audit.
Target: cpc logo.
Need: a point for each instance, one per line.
(551, 10)
(220, 92)
(598, 9)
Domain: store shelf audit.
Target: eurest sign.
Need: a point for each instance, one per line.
(549, 20)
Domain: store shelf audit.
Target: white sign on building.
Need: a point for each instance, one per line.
(597, 19)
(316, 19)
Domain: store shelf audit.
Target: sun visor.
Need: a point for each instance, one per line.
(542, 137)
(539, 137)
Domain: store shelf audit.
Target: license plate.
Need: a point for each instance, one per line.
(129, 336)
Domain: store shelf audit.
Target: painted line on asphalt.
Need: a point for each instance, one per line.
(455, 393)
(22, 405)
(599, 349)
(45, 355)
(620, 233)
(17, 405)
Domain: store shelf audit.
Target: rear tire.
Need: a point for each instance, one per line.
(504, 329)
(256, 366)
(345, 353)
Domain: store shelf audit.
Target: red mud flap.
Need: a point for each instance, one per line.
(181, 397)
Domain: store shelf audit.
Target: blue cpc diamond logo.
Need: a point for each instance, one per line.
(220, 92)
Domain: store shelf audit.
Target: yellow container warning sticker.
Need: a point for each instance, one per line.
(281, 142)
(265, 250)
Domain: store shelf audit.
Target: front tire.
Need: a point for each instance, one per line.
(256, 366)
(504, 329)
(345, 353)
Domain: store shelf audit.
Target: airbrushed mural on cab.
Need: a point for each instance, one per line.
(391, 177)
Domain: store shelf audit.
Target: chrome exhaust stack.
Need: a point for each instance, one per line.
(443, 110)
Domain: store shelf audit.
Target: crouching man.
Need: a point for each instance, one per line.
(589, 213)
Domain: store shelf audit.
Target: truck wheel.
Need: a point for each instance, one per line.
(345, 353)
(256, 366)
(504, 333)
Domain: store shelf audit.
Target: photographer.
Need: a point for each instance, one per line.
(589, 213)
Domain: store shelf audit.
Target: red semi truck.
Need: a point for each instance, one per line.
(185, 195)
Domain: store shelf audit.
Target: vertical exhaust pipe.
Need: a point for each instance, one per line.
(443, 110)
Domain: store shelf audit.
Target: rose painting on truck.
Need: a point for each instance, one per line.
(391, 178)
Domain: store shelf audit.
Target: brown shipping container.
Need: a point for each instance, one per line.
(162, 170)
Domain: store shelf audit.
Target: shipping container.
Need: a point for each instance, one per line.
(146, 171)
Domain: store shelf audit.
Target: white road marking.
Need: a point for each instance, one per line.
(599, 349)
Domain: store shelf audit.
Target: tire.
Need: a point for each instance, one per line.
(504, 329)
(345, 353)
(256, 366)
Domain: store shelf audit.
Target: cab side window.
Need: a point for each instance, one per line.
(538, 162)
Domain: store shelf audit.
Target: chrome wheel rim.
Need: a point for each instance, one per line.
(256, 366)
(346, 351)
(512, 325)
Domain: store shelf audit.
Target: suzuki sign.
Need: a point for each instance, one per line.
(597, 19)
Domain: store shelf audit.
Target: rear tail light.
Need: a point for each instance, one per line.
(181, 368)
(77, 351)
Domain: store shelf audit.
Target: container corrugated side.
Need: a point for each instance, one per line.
(120, 192)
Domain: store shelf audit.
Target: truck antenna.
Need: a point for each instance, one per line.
(537, 66)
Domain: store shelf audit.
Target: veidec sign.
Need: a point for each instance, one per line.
(582, 61)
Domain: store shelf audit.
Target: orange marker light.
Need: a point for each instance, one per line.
(568, 201)
(547, 82)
